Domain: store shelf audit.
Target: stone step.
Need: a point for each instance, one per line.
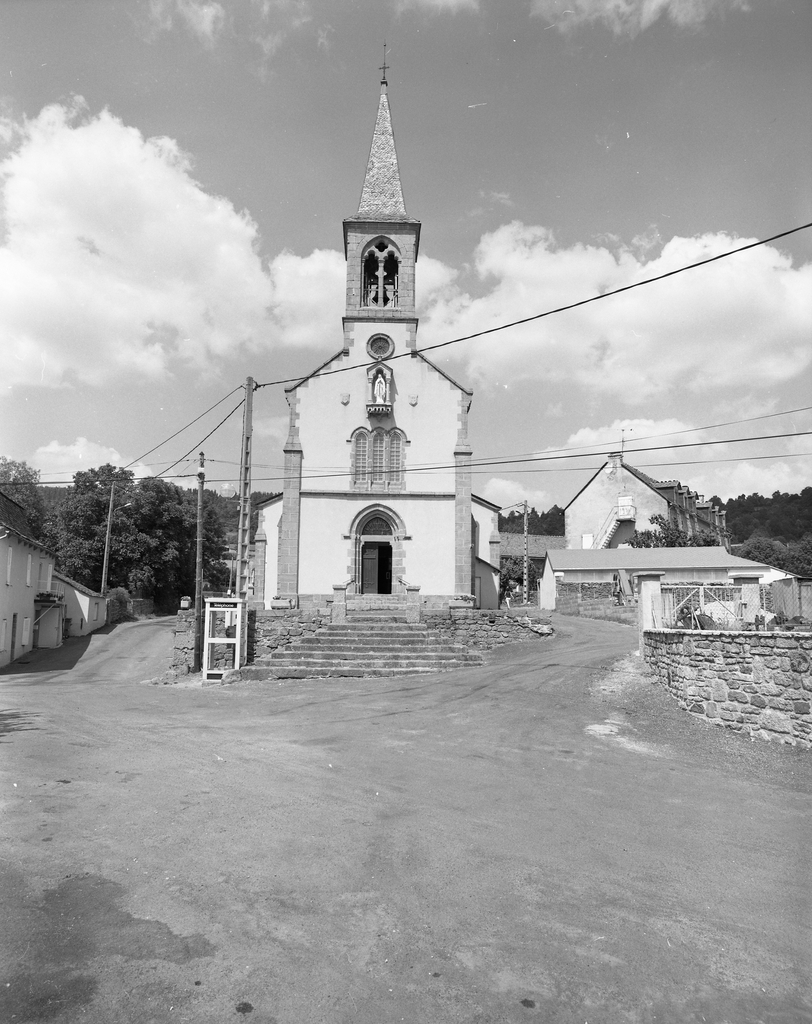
(332, 672)
(370, 658)
(361, 643)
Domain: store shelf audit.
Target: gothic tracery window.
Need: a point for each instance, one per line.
(377, 458)
(380, 277)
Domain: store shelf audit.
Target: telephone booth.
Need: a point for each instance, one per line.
(225, 636)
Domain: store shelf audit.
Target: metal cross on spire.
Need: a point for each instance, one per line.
(384, 67)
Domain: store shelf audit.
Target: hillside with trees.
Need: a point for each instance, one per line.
(545, 524)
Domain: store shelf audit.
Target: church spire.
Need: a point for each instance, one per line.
(382, 195)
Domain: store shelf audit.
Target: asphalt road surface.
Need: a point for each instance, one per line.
(542, 839)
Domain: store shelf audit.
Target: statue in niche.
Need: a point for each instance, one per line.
(379, 389)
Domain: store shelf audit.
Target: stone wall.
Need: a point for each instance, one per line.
(269, 630)
(483, 629)
(183, 652)
(603, 608)
(752, 682)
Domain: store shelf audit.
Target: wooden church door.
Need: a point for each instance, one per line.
(376, 569)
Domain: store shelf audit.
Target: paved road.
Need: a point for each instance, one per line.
(534, 840)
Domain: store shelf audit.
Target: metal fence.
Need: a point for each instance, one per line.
(698, 606)
(792, 598)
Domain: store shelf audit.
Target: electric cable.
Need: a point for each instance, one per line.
(190, 424)
(549, 312)
(199, 443)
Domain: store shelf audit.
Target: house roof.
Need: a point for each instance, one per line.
(382, 194)
(640, 559)
(77, 586)
(12, 515)
(512, 544)
(13, 518)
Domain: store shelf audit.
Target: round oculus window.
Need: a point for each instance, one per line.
(380, 347)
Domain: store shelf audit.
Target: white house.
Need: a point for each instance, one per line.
(619, 499)
(85, 609)
(377, 487)
(31, 604)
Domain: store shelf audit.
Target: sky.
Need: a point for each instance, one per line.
(174, 175)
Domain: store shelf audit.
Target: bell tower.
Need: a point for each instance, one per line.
(381, 241)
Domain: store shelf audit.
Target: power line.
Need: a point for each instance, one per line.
(418, 470)
(190, 424)
(549, 312)
(200, 442)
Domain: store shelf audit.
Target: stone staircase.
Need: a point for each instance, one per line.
(374, 641)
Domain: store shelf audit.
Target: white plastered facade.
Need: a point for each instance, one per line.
(394, 507)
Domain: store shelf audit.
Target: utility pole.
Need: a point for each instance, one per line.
(244, 522)
(107, 539)
(525, 589)
(201, 479)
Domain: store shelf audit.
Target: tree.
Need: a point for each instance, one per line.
(511, 570)
(549, 523)
(153, 540)
(22, 484)
(667, 535)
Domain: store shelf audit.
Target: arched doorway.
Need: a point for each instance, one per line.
(375, 538)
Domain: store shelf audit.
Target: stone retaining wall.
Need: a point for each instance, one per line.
(183, 653)
(483, 629)
(752, 682)
(604, 608)
(269, 630)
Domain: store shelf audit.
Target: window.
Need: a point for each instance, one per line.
(361, 453)
(3, 634)
(26, 630)
(9, 560)
(28, 572)
(395, 457)
(50, 576)
(377, 458)
(380, 275)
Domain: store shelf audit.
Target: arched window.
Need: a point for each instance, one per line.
(361, 457)
(378, 457)
(396, 457)
(380, 275)
(376, 526)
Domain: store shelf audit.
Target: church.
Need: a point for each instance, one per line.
(377, 464)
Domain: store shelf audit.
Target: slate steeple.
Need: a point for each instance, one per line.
(382, 195)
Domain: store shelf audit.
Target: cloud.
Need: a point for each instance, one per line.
(507, 492)
(205, 19)
(440, 6)
(308, 296)
(57, 461)
(114, 260)
(628, 17)
(740, 322)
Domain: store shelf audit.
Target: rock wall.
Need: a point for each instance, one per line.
(269, 630)
(757, 683)
(484, 629)
(183, 653)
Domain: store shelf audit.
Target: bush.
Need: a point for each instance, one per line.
(117, 602)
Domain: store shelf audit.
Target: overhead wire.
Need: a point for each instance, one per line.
(200, 442)
(549, 312)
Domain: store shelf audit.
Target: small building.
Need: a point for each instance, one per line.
(85, 609)
(31, 602)
(620, 499)
(598, 574)
(511, 545)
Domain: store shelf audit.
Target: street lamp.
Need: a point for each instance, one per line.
(107, 538)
